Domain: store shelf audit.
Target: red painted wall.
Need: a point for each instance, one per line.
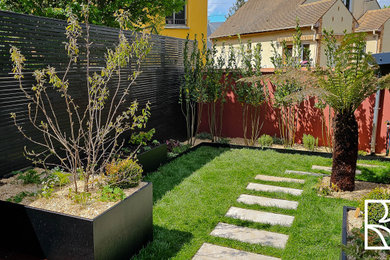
(309, 120)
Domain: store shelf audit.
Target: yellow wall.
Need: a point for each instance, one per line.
(196, 22)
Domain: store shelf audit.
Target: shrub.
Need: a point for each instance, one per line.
(223, 141)
(142, 137)
(181, 149)
(112, 194)
(30, 177)
(362, 153)
(310, 142)
(204, 136)
(375, 211)
(171, 144)
(20, 196)
(265, 141)
(355, 247)
(277, 140)
(80, 197)
(124, 174)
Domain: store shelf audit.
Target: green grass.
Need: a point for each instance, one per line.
(194, 192)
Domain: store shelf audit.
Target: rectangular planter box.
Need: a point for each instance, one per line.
(152, 159)
(118, 233)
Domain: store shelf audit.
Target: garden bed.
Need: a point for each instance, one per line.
(66, 227)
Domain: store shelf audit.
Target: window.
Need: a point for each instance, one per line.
(305, 55)
(177, 18)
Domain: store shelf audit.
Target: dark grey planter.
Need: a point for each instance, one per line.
(154, 158)
(118, 233)
(344, 234)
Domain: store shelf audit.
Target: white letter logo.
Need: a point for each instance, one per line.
(377, 228)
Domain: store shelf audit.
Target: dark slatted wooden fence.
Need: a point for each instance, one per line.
(42, 41)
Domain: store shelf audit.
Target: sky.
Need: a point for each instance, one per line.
(219, 8)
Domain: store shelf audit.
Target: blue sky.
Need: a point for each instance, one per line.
(219, 8)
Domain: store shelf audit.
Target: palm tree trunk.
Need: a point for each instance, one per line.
(345, 151)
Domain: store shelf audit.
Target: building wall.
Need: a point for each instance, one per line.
(266, 40)
(338, 19)
(359, 7)
(372, 43)
(196, 22)
(386, 37)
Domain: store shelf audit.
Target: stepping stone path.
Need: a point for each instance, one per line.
(267, 202)
(277, 179)
(251, 235)
(211, 252)
(260, 216)
(370, 165)
(329, 169)
(304, 173)
(272, 188)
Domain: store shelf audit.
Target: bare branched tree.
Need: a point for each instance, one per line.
(93, 137)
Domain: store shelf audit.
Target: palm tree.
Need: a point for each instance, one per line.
(347, 80)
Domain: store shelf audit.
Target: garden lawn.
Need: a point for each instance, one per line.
(193, 193)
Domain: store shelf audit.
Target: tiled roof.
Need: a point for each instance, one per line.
(270, 15)
(373, 20)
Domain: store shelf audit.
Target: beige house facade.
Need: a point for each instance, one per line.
(272, 22)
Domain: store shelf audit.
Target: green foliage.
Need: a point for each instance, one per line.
(59, 177)
(124, 174)
(250, 94)
(283, 62)
(277, 140)
(147, 148)
(79, 197)
(204, 136)
(324, 189)
(350, 76)
(20, 196)
(30, 177)
(155, 142)
(362, 153)
(142, 137)
(265, 141)
(54, 178)
(310, 142)
(355, 247)
(142, 11)
(191, 89)
(112, 194)
(376, 211)
(222, 140)
(181, 149)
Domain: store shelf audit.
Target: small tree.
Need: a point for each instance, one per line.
(215, 89)
(95, 129)
(251, 95)
(283, 89)
(192, 95)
